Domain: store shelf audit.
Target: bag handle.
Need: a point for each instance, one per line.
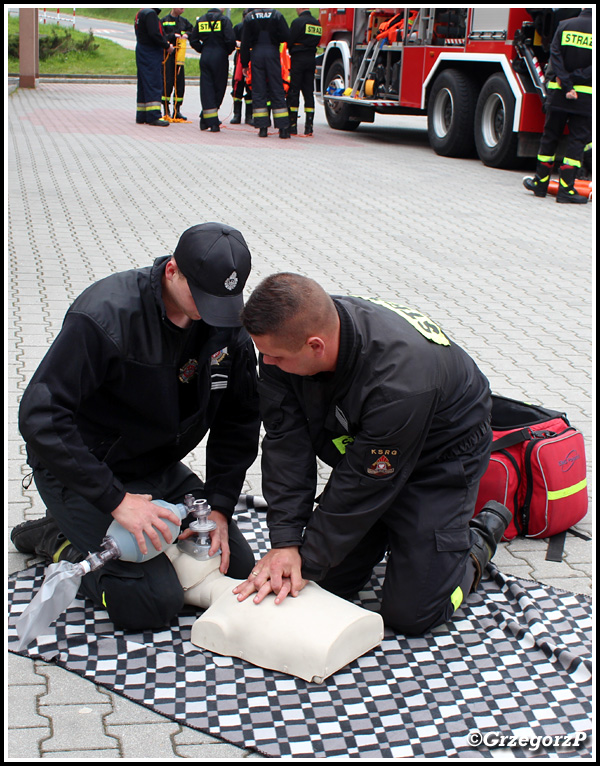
(516, 437)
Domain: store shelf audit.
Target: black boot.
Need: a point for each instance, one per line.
(293, 122)
(237, 113)
(489, 526)
(44, 538)
(566, 187)
(538, 183)
(284, 132)
(263, 132)
(308, 125)
(249, 120)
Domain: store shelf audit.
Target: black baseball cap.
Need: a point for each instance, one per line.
(215, 260)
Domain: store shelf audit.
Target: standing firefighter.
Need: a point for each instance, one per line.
(569, 104)
(149, 53)
(265, 29)
(214, 39)
(176, 28)
(305, 35)
(239, 83)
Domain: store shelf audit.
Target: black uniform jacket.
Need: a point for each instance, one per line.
(175, 25)
(213, 29)
(263, 26)
(402, 397)
(571, 65)
(123, 392)
(305, 33)
(148, 29)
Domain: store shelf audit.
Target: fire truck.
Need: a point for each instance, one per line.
(476, 73)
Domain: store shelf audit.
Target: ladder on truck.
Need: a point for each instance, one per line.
(367, 66)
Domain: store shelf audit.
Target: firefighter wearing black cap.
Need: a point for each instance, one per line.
(378, 392)
(175, 26)
(569, 103)
(305, 36)
(150, 50)
(265, 29)
(214, 39)
(147, 363)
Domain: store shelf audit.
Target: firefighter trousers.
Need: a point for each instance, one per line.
(427, 539)
(580, 134)
(136, 596)
(149, 61)
(267, 86)
(302, 80)
(173, 77)
(214, 71)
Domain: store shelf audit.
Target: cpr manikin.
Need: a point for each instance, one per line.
(311, 636)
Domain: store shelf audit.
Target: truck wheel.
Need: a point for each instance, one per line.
(494, 137)
(337, 114)
(450, 114)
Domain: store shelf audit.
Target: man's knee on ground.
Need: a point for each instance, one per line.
(146, 598)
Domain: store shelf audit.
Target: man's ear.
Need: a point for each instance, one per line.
(317, 346)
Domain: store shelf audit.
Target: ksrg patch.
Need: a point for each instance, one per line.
(381, 461)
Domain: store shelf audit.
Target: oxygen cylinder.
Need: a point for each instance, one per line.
(127, 544)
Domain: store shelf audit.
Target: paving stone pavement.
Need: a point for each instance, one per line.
(375, 212)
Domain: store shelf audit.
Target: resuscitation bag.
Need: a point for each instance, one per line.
(537, 469)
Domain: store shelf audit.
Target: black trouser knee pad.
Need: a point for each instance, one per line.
(137, 597)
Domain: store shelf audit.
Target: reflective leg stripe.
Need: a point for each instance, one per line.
(457, 598)
(308, 110)
(546, 158)
(210, 113)
(293, 108)
(280, 112)
(56, 557)
(104, 598)
(261, 113)
(558, 494)
(572, 163)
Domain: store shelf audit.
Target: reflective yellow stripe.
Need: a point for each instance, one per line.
(312, 29)
(56, 556)
(572, 163)
(457, 598)
(204, 26)
(104, 598)
(546, 158)
(210, 113)
(261, 113)
(427, 327)
(578, 88)
(558, 494)
(342, 442)
(576, 39)
(280, 112)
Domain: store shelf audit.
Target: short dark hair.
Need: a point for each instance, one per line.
(289, 306)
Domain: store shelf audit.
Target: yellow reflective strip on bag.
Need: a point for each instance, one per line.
(558, 494)
(342, 442)
(576, 39)
(457, 598)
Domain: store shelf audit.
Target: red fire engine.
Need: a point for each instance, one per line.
(477, 73)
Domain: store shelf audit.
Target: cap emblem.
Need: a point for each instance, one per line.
(231, 281)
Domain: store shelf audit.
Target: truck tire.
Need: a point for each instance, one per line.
(495, 139)
(450, 114)
(337, 114)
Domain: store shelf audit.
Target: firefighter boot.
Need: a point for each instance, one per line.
(166, 110)
(539, 183)
(237, 113)
(249, 120)
(293, 122)
(489, 525)
(566, 187)
(43, 537)
(308, 124)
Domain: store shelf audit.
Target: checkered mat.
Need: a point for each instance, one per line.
(513, 670)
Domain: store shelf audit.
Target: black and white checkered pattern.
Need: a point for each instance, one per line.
(516, 660)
